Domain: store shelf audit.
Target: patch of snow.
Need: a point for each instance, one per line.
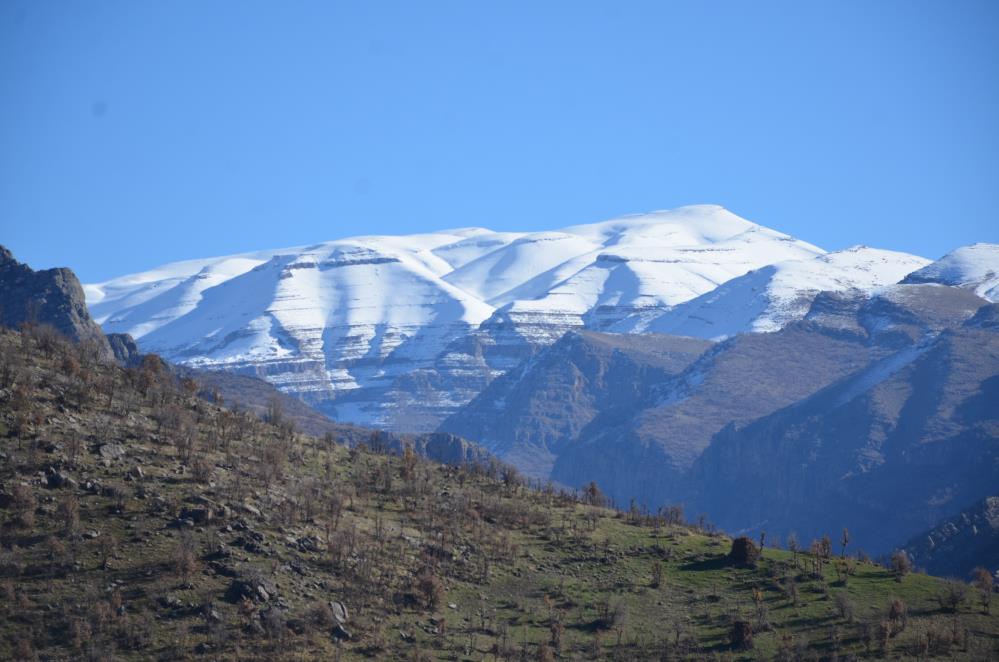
(974, 267)
(768, 298)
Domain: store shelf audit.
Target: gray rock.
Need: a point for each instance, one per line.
(56, 479)
(111, 451)
(125, 351)
(198, 515)
(247, 588)
(339, 611)
(171, 601)
(53, 297)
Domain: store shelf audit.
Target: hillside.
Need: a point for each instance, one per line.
(824, 423)
(257, 397)
(143, 522)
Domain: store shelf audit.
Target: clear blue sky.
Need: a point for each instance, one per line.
(134, 133)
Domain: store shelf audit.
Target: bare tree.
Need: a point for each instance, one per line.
(952, 595)
(900, 564)
(984, 582)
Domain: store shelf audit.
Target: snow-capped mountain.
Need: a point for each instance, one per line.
(768, 298)
(400, 331)
(974, 267)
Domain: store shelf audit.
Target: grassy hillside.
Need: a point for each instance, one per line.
(141, 522)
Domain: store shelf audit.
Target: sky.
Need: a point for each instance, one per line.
(134, 133)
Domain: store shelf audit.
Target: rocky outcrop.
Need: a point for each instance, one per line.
(51, 297)
(450, 449)
(125, 351)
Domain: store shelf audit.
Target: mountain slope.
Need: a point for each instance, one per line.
(739, 414)
(529, 414)
(646, 454)
(887, 451)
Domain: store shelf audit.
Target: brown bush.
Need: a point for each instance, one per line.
(431, 589)
(741, 635)
(744, 553)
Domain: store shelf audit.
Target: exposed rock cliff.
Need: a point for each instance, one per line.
(51, 296)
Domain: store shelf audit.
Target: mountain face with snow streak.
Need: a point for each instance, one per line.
(401, 331)
(974, 267)
(874, 412)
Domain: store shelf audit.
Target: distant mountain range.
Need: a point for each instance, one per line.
(681, 356)
(401, 331)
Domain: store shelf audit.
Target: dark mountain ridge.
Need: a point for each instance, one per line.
(887, 451)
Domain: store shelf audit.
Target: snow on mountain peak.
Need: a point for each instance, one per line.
(767, 299)
(974, 267)
(341, 322)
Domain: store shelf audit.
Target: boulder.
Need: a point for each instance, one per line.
(239, 590)
(199, 514)
(339, 611)
(56, 479)
(111, 451)
(249, 587)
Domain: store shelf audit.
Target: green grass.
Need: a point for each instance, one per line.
(550, 558)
